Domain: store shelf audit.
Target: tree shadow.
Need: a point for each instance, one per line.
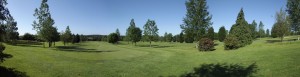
(223, 70)
(78, 49)
(4, 56)
(26, 43)
(154, 46)
(273, 41)
(11, 72)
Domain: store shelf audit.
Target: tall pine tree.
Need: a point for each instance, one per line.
(197, 20)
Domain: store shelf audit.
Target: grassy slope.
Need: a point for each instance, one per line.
(102, 59)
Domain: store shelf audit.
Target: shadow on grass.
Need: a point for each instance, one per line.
(3, 56)
(154, 46)
(273, 41)
(11, 72)
(25, 43)
(222, 70)
(78, 49)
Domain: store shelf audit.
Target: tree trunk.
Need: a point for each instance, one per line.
(54, 43)
(281, 38)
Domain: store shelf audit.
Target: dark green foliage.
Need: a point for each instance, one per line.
(261, 32)
(268, 33)
(133, 34)
(77, 38)
(112, 38)
(273, 32)
(222, 34)
(28, 36)
(253, 28)
(2, 55)
(293, 9)
(2, 48)
(66, 36)
(206, 44)
(241, 31)
(151, 31)
(12, 34)
(118, 32)
(197, 20)
(137, 35)
(231, 42)
(168, 37)
(188, 37)
(223, 70)
(210, 33)
(181, 37)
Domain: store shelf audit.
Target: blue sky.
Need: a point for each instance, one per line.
(105, 16)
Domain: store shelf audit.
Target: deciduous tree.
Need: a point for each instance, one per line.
(280, 28)
(151, 31)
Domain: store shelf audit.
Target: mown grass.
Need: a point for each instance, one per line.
(101, 59)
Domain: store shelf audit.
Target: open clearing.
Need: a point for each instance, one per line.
(91, 59)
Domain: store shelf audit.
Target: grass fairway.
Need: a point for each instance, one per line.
(101, 59)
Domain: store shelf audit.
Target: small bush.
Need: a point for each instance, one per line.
(205, 44)
(231, 42)
(113, 38)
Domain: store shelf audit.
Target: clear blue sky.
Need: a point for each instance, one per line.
(105, 16)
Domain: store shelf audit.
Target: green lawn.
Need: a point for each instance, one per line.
(101, 59)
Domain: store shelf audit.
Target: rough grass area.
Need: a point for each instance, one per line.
(101, 59)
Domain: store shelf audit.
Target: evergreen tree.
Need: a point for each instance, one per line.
(222, 34)
(210, 33)
(67, 36)
(181, 37)
(197, 20)
(253, 28)
(118, 33)
(129, 31)
(261, 30)
(293, 9)
(241, 31)
(267, 33)
(151, 31)
(165, 37)
(169, 37)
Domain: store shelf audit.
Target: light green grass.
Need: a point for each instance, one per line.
(101, 59)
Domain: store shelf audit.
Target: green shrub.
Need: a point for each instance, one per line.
(113, 38)
(205, 44)
(231, 42)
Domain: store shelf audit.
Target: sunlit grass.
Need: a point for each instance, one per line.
(101, 59)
